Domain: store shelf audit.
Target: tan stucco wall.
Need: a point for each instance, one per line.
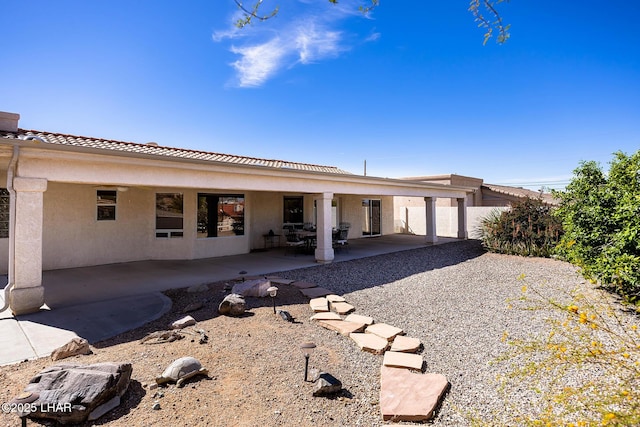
(446, 220)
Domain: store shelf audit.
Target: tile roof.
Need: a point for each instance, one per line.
(521, 192)
(163, 151)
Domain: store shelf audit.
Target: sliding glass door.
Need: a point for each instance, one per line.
(371, 217)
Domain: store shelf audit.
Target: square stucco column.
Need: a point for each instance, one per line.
(430, 204)
(27, 294)
(462, 218)
(324, 249)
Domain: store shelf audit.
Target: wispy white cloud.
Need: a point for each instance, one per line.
(258, 62)
(373, 37)
(270, 49)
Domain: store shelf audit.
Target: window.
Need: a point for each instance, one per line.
(4, 213)
(106, 205)
(293, 210)
(220, 215)
(169, 215)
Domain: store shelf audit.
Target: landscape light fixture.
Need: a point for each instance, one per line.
(272, 293)
(307, 349)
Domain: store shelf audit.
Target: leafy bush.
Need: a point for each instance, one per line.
(601, 218)
(526, 229)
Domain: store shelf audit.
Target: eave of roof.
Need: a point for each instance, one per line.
(154, 150)
(521, 193)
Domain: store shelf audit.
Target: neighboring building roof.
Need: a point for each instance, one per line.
(521, 193)
(153, 149)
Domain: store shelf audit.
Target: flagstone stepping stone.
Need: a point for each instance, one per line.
(335, 298)
(315, 292)
(326, 315)
(405, 344)
(304, 285)
(342, 327)
(319, 304)
(402, 360)
(409, 396)
(359, 319)
(280, 280)
(370, 342)
(383, 330)
(342, 307)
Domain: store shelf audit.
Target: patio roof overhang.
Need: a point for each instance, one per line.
(85, 165)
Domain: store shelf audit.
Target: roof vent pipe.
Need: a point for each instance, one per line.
(33, 138)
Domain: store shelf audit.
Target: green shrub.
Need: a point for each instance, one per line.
(600, 215)
(526, 229)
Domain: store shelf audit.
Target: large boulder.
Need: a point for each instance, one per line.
(232, 305)
(73, 393)
(252, 288)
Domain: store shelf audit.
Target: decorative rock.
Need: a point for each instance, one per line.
(315, 292)
(80, 391)
(304, 285)
(232, 305)
(181, 370)
(402, 360)
(405, 344)
(359, 319)
(156, 406)
(326, 315)
(183, 323)
(252, 288)
(285, 315)
(408, 396)
(370, 342)
(335, 298)
(198, 288)
(160, 337)
(319, 304)
(342, 307)
(326, 385)
(383, 330)
(342, 327)
(193, 307)
(74, 347)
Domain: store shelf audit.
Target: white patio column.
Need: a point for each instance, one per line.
(324, 249)
(27, 294)
(462, 218)
(430, 204)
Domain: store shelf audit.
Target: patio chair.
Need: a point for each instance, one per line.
(340, 239)
(293, 242)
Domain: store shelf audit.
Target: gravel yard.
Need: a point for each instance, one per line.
(453, 297)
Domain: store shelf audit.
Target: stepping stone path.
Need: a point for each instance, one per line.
(342, 307)
(408, 396)
(327, 315)
(370, 342)
(319, 304)
(359, 318)
(405, 395)
(402, 360)
(344, 328)
(385, 331)
(405, 344)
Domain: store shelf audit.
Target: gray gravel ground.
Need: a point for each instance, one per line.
(454, 298)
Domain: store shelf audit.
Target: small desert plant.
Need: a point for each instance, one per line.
(585, 371)
(526, 229)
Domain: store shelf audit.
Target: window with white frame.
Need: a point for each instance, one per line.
(106, 201)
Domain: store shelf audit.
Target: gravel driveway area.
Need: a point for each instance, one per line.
(454, 298)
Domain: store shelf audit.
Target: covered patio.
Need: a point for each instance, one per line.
(73, 286)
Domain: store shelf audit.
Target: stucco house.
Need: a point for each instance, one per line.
(483, 199)
(72, 201)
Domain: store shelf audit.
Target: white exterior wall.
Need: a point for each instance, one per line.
(414, 218)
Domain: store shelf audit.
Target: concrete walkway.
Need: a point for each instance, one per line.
(99, 302)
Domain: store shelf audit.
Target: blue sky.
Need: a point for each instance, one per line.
(410, 88)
